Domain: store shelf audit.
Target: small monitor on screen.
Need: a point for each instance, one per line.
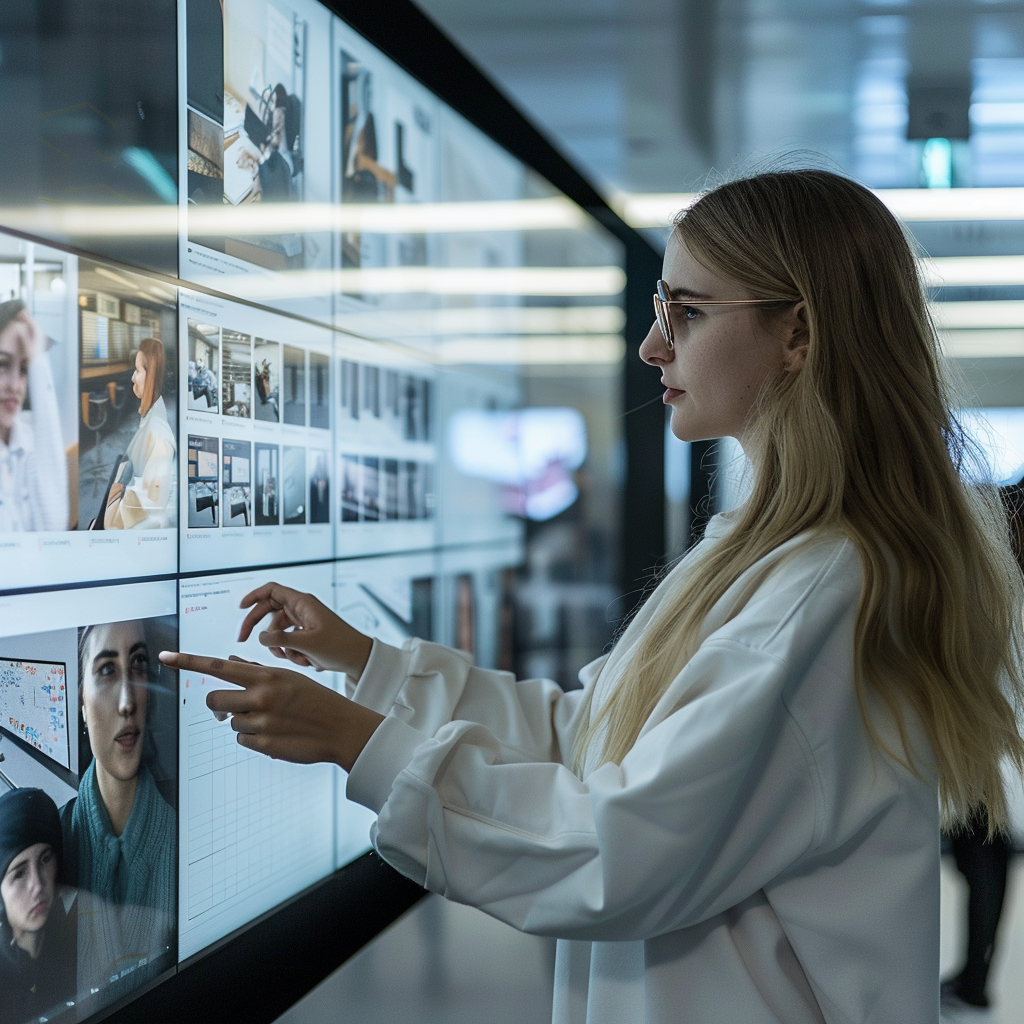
(34, 705)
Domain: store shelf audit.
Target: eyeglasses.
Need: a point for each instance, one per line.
(662, 301)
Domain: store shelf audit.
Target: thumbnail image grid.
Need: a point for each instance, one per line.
(375, 489)
(384, 405)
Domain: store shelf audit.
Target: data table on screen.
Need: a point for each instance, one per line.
(254, 831)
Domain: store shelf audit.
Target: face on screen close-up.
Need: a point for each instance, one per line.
(28, 889)
(139, 376)
(15, 341)
(115, 678)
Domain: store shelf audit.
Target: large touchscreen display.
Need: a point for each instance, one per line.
(254, 277)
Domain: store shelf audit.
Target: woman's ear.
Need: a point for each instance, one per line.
(796, 338)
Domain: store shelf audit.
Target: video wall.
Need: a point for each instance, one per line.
(233, 337)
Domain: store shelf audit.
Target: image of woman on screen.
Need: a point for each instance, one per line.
(37, 933)
(119, 831)
(144, 500)
(33, 467)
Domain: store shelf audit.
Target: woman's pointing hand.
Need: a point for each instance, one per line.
(284, 714)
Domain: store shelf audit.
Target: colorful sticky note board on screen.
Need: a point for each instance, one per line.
(34, 706)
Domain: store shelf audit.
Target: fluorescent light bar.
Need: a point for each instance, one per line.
(547, 350)
(965, 271)
(554, 213)
(656, 209)
(488, 320)
(976, 315)
(484, 280)
(982, 344)
(427, 280)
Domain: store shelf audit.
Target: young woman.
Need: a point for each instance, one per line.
(33, 466)
(37, 936)
(737, 818)
(119, 832)
(147, 500)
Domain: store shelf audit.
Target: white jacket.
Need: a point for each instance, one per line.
(754, 859)
(147, 501)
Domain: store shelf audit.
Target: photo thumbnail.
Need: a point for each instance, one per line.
(267, 484)
(267, 375)
(203, 367)
(203, 477)
(237, 492)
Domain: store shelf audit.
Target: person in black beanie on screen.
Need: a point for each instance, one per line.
(37, 935)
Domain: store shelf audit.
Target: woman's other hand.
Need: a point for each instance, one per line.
(305, 631)
(284, 714)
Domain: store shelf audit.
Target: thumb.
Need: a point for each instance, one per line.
(295, 639)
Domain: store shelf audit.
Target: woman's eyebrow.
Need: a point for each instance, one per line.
(689, 293)
(139, 645)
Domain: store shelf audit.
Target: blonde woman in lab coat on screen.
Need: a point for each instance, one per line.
(737, 818)
(147, 501)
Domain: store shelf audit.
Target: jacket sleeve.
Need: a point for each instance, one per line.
(49, 472)
(712, 803)
(426, 686)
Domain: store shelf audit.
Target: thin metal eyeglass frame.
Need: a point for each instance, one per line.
(661, 304)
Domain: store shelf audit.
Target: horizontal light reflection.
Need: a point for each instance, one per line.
(555, 213)
(521, 281)
(982, 344)
(656, 210)
(964, 271)
(534, 350)
(489, 320)
(974, 315)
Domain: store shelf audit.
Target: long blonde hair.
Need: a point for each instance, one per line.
(861, 440)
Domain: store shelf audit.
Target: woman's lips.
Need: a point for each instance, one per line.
(671, 394)
(126, 739)
(41, 909)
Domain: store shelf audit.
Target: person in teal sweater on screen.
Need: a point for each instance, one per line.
(119, 831)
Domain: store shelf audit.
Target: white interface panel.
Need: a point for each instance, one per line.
(254, 831)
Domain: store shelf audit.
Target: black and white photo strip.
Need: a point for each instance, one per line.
(88, 796)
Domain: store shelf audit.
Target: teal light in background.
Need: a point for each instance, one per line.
(937, 163)
(147, 166)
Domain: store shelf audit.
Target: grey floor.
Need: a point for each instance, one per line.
(439, 964)
(446, 964)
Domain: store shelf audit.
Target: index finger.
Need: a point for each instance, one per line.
(241, 673)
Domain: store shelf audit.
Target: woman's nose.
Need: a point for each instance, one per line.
(35, 880)
(654, 349)
(126, 698)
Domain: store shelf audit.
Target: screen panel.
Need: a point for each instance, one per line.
(111, 919)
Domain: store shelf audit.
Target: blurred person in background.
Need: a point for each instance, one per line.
(983, 856)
